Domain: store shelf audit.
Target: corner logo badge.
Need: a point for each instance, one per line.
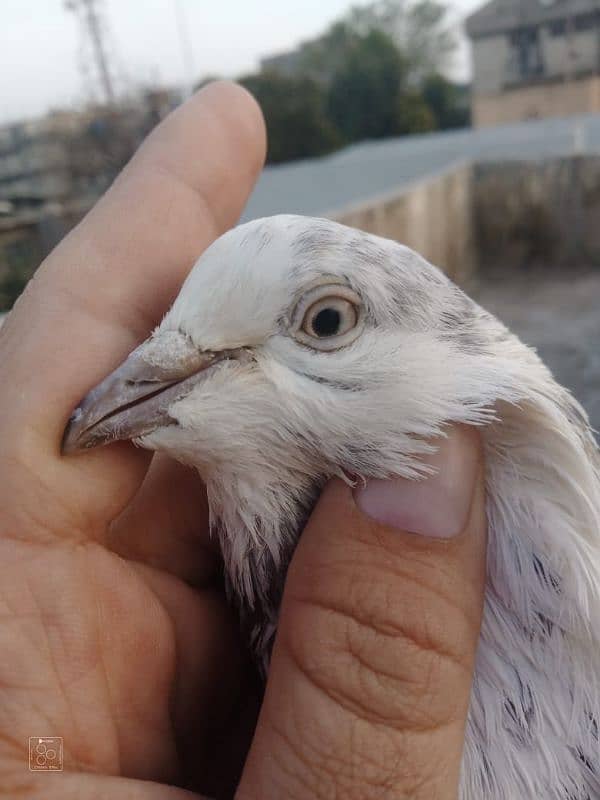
(45, 753)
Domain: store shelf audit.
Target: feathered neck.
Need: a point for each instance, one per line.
(258, 527)
(533, 724)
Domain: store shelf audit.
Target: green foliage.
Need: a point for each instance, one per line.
(414, 114)
(294, 109)
(448, 102)
(12, 284)
(426, 39)
(374, 73)
(419, 28)
(366, 88)
(322, 58)
(19, 258)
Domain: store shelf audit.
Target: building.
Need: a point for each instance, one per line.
(34, 159)
(534, 59)
(54, 168)
(47, 159)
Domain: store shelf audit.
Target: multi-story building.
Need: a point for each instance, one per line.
(34, 162)
(534, 58)
(53, 169)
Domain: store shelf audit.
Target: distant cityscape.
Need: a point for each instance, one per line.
(531, 60)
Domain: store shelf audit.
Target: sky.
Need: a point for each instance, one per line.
(44, 63)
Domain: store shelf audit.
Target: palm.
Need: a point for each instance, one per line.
(114, 620)
(138, 670)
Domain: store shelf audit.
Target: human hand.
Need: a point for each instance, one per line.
(114, 632)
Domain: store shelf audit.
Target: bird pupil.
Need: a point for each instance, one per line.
(327, 322)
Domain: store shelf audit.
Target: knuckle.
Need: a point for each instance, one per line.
(300, 769)
(358, 761)
(347, 766)
(383, 648)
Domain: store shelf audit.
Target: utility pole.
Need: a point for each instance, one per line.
(90, 16)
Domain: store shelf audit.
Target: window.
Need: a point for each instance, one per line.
(585, 22)
(580, 23)
(526, 54)
(558, 27)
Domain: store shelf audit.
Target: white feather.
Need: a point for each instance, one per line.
(267, 433)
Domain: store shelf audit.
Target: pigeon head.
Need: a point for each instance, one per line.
(296, 345)
(299, 349)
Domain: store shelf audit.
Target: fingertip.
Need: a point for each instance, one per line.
(438, 505)
(234, 99)
(435, 528)
(214, 143)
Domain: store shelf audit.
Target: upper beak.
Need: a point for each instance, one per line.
(134, 399)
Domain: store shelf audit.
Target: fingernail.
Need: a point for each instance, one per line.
(437, 506)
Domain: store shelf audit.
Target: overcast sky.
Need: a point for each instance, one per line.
(43, 61)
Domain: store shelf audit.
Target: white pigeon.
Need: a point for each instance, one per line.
(300, 349)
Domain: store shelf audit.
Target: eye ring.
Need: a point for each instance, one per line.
(328, 317)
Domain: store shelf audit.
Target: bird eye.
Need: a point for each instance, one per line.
(328, 317)
(332, 316)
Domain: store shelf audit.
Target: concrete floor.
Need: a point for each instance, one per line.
(559, 315)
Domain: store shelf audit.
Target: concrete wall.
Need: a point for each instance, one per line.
(556, 99)
(433, 216)
(491, 56)
(510, 215)
(494, 60)
(575, 53)
(529, 214)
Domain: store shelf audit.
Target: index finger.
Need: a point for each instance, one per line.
(108, 283)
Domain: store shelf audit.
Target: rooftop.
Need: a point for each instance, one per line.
(499, 16)
(365, 171)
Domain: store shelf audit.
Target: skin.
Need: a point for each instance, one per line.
(114, 631)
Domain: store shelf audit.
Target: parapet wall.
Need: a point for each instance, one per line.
(544, 213)
(433, 216)
(509, 215)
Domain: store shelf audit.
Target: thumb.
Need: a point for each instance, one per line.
(371, 673)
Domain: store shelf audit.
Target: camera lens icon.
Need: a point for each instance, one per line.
(45, 753)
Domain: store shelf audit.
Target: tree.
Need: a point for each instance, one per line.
(413, 113)
(365, 91)
(296, 116)
(364, 78)
(419, 29)
(449, 103)
(322, 58)
(426, 38)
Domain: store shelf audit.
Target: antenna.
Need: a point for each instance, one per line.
(90, 16)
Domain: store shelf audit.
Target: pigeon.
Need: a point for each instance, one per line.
(299, 349)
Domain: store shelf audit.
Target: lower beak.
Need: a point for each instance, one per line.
(135, 399)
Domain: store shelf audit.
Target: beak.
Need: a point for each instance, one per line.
(135, 399)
